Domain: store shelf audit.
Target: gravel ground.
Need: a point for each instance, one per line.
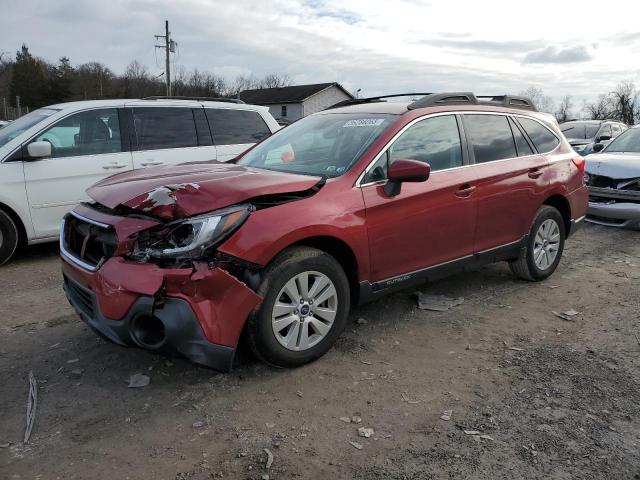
(531, 395)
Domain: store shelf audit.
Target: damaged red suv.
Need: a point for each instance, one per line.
(335, 210)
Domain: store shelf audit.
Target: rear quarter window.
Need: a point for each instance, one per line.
(542, 138)
(231, 127)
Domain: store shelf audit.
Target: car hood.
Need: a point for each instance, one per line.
(614, 165)
(174, 192)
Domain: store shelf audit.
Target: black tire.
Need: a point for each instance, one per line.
(524, 266)
(260, 333)
(9, 237)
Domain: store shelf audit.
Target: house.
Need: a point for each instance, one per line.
(288, 104)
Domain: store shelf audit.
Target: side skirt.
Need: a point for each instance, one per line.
(372, 291)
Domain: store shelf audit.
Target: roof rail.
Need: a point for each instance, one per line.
(512, 101)
(379, 98)
(197, 99)
(462, 98)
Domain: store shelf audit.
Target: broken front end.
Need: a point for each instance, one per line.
(614, 202)
(159, 285)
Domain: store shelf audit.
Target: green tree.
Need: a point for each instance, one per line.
(60, 81)
(29, 80)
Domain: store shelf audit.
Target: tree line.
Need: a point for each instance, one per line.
(621, 104)
(39, 83)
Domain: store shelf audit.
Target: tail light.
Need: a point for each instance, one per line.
(579, 163)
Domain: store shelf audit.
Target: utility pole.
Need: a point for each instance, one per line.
(169, 47)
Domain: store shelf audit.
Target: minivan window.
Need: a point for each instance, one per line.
(22, 124)
(580, 130)
(92, 132)
(322, 144)
(491, 137)
(605, 130)
(232, 127)
(164, 127)
(522, 145)
(542, 138)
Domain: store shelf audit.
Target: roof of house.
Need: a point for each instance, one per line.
(292, 94)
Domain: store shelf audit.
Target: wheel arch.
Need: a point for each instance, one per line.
(22, 231)
(339, 250)
(560, 203)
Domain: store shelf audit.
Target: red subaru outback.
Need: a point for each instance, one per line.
(335, 210)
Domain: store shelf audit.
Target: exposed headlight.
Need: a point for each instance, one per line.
(587, 178)
(190, 238)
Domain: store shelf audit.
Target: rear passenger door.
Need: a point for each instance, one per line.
(235, 131)
(511, 179)
(170, 135)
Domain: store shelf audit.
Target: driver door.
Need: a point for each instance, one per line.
(86, 147)
(428, 223)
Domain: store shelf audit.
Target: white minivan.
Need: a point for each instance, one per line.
(49, 157)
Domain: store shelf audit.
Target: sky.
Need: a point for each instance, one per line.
(582, 48)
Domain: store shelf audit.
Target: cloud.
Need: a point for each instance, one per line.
(487, 46)
(553, 54)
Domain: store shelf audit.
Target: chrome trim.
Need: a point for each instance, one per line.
(579, 219)
(440, 114)
(69, 256)
(88, 220)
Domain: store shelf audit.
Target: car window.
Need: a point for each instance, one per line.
(435, 141)
(491, 137)
(629, 141)
(605, 130)
(92, 132)
(22, 124)
(325, 144)
(232, 127)
(202, 127)
(522, 145)
(616, 130)
(164, 127)
(542, 138)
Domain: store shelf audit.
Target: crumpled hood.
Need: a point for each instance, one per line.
(173, 192)
(614, 165)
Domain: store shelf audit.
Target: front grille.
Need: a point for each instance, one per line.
(82, 298)
(90, 243)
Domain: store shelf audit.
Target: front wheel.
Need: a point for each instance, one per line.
(544, 247)
(305, 305)
(9, 237)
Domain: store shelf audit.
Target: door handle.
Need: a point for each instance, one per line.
(114, 166)
(150, 163)
(465, 190)
(535, 173)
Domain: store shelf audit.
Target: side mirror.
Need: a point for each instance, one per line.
(598, 147)
(39, 149)
(603, 138)
(405, 171)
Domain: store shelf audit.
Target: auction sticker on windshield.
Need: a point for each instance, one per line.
(364, 122)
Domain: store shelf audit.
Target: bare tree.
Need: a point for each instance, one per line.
(624, 102)
(598, 110)
(563, 113)
(542, 102)
(274, 80)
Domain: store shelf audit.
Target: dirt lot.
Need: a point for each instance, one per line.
(556, 399)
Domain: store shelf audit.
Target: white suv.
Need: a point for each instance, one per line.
(49, 157)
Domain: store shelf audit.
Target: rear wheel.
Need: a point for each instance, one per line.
(9, 237)
(305, 307)
(544, 247)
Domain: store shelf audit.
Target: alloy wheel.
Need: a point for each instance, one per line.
(546, 244)
(304, 310)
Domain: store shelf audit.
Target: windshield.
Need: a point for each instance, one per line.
(326, 144)
(23, 124)
(580, 130)
(628, 141)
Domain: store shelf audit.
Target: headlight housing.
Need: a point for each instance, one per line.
(190, 238)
